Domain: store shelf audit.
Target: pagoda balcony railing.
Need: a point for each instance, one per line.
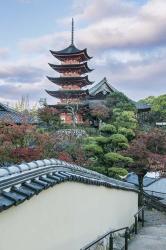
(70, 75)
(70, 62)
(68, 103)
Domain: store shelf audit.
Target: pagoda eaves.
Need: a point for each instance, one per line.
(81, 68)
(64, 81)
(71, 52)
(68, 93)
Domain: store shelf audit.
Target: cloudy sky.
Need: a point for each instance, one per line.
(127, 39)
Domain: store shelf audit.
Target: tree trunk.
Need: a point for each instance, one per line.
(141, 189)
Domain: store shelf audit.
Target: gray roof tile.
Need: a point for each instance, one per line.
(133, 178)
(32, 178)
(11, 115)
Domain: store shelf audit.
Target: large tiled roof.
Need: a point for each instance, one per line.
(142, 106)
(105, 88)
(158, 189)
(20, 182)
(133, 178)
(9, 114)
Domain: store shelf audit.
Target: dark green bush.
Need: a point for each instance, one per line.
(116, 172)
(129, 133)
(93, 148)
(108, 129)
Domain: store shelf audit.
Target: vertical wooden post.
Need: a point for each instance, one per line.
(126, 239)
(136, 224)
(111, 242)
(143, 217)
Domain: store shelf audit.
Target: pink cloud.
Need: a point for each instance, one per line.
(4, 53)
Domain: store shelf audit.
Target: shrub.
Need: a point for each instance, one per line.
(118, 138)
(116, 172)
(101, 140)
(89, 140)
(116, 158)
(93, 148)
(113, 157)
(129, 133)
(98, 169)
(108, 129)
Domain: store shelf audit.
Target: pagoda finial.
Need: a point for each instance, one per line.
(72, 32)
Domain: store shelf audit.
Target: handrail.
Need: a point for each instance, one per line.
(102, 237)
(154, 202)
(146, 190)
(110, 233)
(140, 209)
(136, 219)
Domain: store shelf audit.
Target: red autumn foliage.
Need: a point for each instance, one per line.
(23, 142)
(64, 156)
(148, 151)
(27, 154)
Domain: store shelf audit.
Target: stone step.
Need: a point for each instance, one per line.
(149, 238)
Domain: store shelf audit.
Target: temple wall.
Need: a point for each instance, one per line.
(73, 87)
(66, 118)
(71, 61)
(71, 73)
(66, 217)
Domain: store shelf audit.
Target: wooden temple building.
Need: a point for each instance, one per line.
(73, 78)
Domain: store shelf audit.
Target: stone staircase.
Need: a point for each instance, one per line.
(153, 235)
(150, 238)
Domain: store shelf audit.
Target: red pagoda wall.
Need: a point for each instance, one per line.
(67, 118)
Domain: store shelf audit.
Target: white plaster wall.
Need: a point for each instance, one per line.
(66, 217)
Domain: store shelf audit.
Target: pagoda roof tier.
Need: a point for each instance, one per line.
(62, 106)
(80, 81)
(68, 93)
(71, 52)
(81, 67)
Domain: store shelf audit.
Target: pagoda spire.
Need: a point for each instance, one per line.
(72, 32)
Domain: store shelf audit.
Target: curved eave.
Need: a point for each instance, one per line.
(62, 106)
(80, 81)
(140, 110)
(61, 55)
(63, 67)
(67, 94)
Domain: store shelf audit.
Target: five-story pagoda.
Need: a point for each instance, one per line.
(73, 78)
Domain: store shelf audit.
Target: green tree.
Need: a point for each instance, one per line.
(108, 129)
(120, 101)
(104, 150)
(125, 119)
(127, 132)
(158, 109)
